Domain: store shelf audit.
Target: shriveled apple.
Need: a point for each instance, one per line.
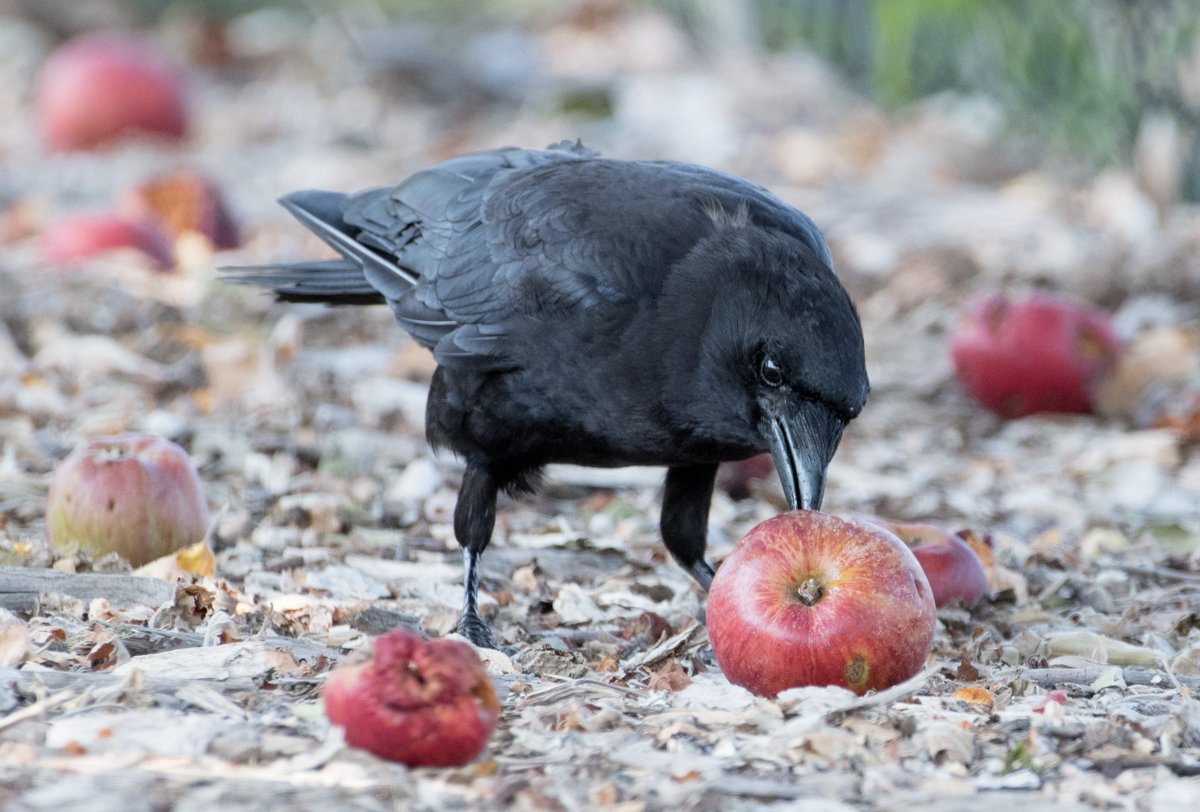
(1040, 353)
(137, 495)
(810, 599)
(100, 88)
(80, 236)
(424, 703)
(954, 570)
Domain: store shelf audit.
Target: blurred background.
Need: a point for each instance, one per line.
(852, 109)
(945, 147)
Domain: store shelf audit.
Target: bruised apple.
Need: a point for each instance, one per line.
(954, 569)
(810, 599)
(1042, 353)
(137, 495)
(424, 703)
(80, 236)
(100, 88)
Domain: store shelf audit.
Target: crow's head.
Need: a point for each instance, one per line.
(778, 352)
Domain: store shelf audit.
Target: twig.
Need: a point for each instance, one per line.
(1049, 677)
(36, 709)
(21, 586)
(557, 692)
(1165, 573)
(88, 679)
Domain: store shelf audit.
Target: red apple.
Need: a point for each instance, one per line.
(424, 703)
(100, 88)
(954, 570)
(79, 236)
(133, 494)
(810, 599)
(1042, 353)
(185, 201)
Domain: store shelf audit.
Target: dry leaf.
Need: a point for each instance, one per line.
(14, 643)
(975, 696)
(670, 676)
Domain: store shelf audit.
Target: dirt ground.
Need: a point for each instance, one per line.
(1071, 686)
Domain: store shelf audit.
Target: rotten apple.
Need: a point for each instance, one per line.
(99, 88)
(424, 703)
(810, 599)
(137, 495)
(1040, 353)
(185, 202)
(954, 569)
(80, 236)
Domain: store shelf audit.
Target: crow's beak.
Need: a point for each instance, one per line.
(803, 436)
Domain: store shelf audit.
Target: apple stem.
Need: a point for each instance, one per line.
(810, 591)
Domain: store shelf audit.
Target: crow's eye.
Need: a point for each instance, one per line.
(769, 372)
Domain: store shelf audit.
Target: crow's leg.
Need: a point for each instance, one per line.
(474, 519)
(684, 522)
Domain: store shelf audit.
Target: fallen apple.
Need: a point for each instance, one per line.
(954, 570)
(1042, 353)
(810, 599)
(137, 495)
(185, 201)
(80, 236)
(424, 703)
(99, 88)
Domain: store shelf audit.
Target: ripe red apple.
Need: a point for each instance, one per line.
(99, 88)
(424, 703)
(133, 494)
(80, 236)
(954, 569)
(185, 201)
(810, 599)
(1042, 353)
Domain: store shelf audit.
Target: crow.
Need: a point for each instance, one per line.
(598, 312)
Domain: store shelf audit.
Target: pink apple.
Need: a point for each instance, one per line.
(80, 236)
(810, 599)
(1040, 353)
(954, 569)
(100, 88)
(137, 495)
(424, 703)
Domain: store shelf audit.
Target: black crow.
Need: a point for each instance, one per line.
(598, 312)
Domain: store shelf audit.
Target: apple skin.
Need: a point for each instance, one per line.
(80, 236)
(955, 571)
(100, 88)
(424, 703)
(1042, 353)
(134, 494)
(868, 622)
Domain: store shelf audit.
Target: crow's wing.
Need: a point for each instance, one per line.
(503, 236)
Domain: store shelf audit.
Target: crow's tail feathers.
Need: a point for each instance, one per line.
(333, 281)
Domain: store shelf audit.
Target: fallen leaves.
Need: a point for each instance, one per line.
(194, 679)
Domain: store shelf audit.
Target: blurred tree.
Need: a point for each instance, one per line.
(1086, 75)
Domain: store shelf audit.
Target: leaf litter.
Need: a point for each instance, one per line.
(196, 683)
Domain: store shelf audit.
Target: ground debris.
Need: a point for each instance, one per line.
(1073, 685)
